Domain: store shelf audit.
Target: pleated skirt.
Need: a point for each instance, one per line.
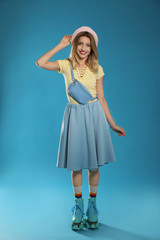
(85, 139)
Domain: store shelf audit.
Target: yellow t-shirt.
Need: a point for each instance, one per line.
(88, 80)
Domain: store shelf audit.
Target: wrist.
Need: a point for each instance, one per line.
(113, 124)
(60, 45)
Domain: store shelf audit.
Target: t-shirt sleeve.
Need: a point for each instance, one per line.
(62, 64)
(100, 72)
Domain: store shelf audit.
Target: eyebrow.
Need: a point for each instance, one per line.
(82, 42)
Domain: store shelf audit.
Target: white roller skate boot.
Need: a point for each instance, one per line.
(77, 214)
(92, 214)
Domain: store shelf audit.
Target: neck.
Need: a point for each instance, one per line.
(82, 64)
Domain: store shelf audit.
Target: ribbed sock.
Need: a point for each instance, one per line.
(92, 191)
(77, 191)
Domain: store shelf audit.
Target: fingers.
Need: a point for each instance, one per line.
(122, 132)
(68, 36)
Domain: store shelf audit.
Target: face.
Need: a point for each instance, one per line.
(83, 47)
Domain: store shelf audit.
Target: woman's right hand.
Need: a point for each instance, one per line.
(66, 40)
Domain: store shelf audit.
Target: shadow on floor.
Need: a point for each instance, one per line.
(107, 232)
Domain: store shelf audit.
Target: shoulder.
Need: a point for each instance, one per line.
(64, 62)
(100, 68)
(64, 65)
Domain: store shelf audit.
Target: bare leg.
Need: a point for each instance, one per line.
(93, 177)
(76, 177)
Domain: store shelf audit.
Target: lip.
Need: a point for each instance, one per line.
(83, 53)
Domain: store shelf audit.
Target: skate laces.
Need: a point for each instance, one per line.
(77, 206)
(92, 206)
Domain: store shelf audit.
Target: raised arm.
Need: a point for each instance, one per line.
(44, 62)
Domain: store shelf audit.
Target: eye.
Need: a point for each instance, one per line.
(88, 45)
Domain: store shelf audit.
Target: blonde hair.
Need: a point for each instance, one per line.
(92, 60)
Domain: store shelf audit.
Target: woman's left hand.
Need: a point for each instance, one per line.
(119, 130)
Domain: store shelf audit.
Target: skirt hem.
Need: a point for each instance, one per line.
(92, 169)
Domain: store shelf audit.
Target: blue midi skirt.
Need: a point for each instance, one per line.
(85, 140)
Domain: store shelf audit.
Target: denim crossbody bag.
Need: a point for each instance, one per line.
(78, 91)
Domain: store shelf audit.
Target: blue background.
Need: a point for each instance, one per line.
(35, 196)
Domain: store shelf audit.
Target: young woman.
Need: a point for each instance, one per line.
(85, 140)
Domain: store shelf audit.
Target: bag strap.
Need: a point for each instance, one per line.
(72, 74)
(75, 80)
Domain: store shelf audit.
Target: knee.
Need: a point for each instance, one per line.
(93, 171)
(77, 172)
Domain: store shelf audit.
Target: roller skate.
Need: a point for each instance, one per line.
(92, 214)
(77, 214)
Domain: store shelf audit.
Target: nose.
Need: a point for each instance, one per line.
(83, 48)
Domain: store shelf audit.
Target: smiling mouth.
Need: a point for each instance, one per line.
(82, 52)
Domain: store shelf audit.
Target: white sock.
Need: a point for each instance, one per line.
(93, 190)
(77, 191)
